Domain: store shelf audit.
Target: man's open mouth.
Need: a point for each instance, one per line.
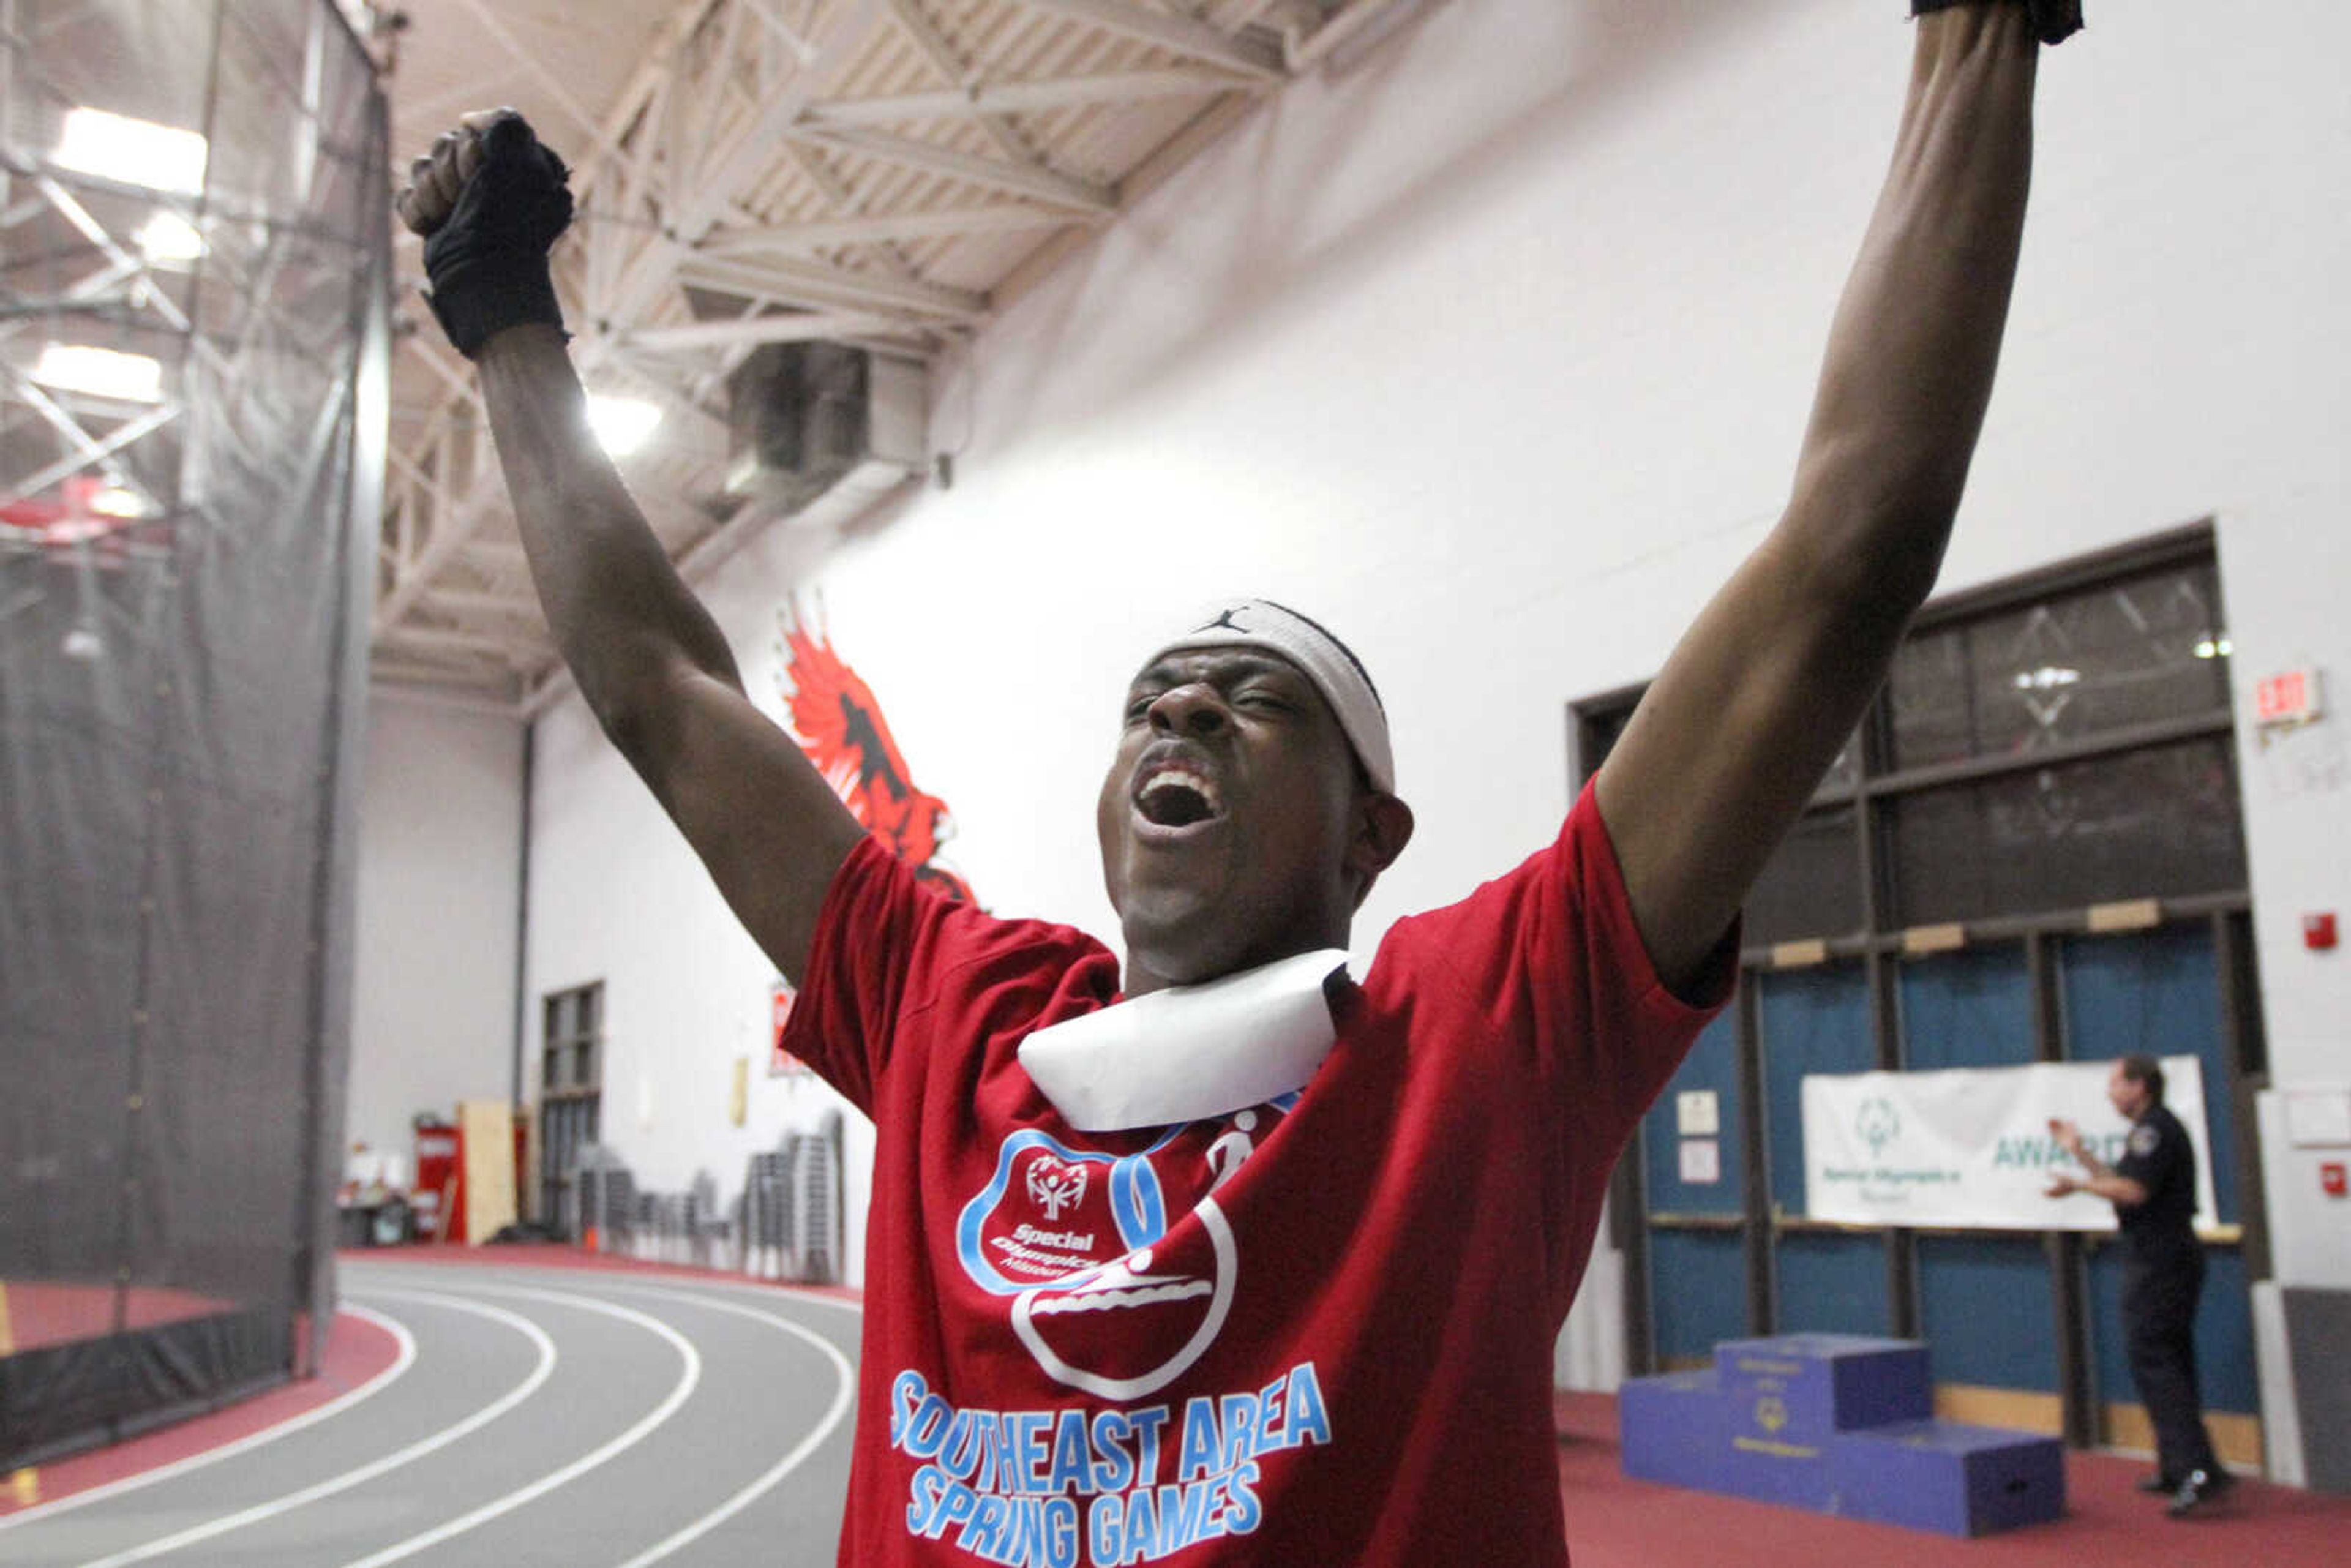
(1175, 796)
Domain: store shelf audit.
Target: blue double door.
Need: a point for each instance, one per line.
(2018, 1323)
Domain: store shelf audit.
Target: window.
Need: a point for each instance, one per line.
(2028, 679)
(2039, 747)
(571, 1097)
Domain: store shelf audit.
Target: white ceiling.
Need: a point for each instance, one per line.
(889, 172)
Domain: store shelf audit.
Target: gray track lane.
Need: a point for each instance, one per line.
(795, 1519)
(463, 1365)
(747, 1466)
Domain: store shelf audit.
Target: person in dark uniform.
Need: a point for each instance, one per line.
(2153, 1189)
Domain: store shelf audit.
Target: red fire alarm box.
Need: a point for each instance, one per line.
(2318, 932)
(2334, 1179)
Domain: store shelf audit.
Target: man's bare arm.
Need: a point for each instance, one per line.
(650, 661)
(1732, 740)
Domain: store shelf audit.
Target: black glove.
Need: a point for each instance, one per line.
(2054, 21)
(487, 263)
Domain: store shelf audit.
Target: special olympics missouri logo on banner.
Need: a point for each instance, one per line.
(1878, 1123)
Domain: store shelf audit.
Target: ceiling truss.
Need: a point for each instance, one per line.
(890, 173)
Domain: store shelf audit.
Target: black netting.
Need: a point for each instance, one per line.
(193, 345)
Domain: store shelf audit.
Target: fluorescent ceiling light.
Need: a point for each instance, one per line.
(168, 236)
(101, 372)
(132, 151)
(622, 424)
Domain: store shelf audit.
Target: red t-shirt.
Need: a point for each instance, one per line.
(1315, 1331)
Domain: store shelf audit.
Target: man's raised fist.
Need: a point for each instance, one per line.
(490, 201)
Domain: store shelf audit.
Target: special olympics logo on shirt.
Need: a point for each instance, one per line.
(1112, 1298)
(1055, 1185)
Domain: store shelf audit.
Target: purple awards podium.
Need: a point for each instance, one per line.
(1837, 1423)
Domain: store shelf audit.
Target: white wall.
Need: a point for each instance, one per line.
(440, 846)
(616, 896)
(1494, 354)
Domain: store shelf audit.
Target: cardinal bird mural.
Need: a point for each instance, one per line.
(839, 723)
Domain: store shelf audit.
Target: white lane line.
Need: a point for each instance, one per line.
(844, 1390)
(402, 1361)
(773, 1294)
(732, 1283)
(688, 1377)
(367, 1473)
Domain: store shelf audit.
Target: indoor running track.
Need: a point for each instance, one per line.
(586, 1417)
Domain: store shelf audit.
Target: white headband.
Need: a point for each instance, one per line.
(1336, 673)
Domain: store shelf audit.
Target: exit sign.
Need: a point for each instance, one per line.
(2290, 698)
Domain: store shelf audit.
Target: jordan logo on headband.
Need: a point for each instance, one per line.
(1330, 663)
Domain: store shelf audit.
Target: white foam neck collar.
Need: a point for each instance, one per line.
(1189, 1052)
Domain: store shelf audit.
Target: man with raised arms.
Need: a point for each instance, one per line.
(1225, 1256)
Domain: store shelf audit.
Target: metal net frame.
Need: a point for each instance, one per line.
(194, 274)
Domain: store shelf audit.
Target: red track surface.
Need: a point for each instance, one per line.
(357, 1351)
(46, 1311)
(550, 1256)
(1615, 1522)
(1611, 1521)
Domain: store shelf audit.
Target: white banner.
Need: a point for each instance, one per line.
(1970, 1149)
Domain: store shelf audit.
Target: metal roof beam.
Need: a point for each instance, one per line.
(1031, 96)
(794, 37)
(461, 642)
(1198, 41)
(784, 277)
(458, 382)
(1019, 179)
(498, 557)
(846, 203)
(92, 456)
(472, 601)
(841, 35)
(547, 80)
(452, 532)
(952, 66)
(752, 330)
(90, 449)
(456, 522)
(1005, 217)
